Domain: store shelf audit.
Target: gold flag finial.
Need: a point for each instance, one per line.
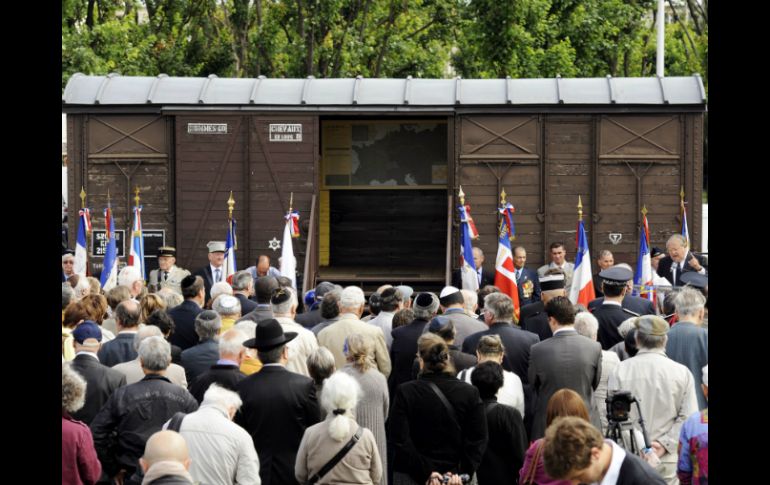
(136, 196)
(681, 193)
(291, 201)
(502, 197)
(230, 205)
(82, 197)
(462, 196)
(580, 208)
(644, 210)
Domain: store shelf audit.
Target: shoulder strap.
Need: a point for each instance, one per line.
(176, 421)
(529, 479)
(338, 457)
(444, 401)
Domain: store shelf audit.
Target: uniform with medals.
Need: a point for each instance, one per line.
(167, 279)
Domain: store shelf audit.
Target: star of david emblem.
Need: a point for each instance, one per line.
(274, 244)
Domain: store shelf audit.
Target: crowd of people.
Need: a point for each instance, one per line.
(196, 378)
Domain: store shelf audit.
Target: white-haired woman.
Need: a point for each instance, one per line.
(321, 442)
(79, 463)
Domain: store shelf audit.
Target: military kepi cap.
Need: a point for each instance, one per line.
(552, 282)
(617, 273)
(167, 251)
(652, 325)
(696, 280)
(216, 246)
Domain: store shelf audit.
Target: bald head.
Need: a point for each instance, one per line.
(263, 265)
(165, 446)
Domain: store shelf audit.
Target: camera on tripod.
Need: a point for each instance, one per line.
(619, 428)
(619, 406)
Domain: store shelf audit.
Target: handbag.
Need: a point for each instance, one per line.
(529, 478)
(337, 458)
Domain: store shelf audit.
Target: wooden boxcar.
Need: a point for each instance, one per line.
(375, 165)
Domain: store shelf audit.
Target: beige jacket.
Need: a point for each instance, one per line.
(333, 338)
(133, 372)
(361, 464)
(300, 348)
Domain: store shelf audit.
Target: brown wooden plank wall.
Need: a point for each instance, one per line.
(118, 153)
(242, 161)
(568, 160)
(501, 152)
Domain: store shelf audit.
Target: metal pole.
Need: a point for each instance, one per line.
(661, 32)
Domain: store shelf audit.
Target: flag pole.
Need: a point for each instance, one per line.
(230, 206)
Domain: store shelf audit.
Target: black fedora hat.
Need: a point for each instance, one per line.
(269, 335)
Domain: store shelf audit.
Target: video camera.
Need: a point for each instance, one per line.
(619, 406)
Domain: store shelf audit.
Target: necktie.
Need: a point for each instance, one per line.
(479, 275)
(165, 276)
(216, 278)
(518, 275)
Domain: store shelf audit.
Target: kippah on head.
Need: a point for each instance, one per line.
(451, 296)
(438, 323)
(188, 281)
(425, 301)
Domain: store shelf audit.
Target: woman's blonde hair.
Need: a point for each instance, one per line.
(360, 351)
(148, 304)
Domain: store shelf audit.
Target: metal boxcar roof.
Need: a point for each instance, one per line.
(117, 90)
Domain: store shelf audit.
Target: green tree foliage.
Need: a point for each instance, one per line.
(380, 38)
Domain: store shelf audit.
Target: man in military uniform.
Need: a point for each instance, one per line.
(527, 280)
(558, 260)
(168, 275)
(533, 317)
(611, 312)
(214, 271)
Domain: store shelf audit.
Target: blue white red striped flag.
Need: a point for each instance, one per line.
(109, 278)
(81, 254)
(230, 246)
(582, 289)
(136, 256)
(685, 232)
(469, 276)
(643, 278)
(505, 276)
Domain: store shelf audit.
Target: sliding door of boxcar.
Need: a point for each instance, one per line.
(496, 153)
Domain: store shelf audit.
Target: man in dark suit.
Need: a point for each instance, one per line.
(611, 312)
(637, 304)
(243, 288)
(498, 315)
(263, 291)
(214, 271)
(101, 380)
(404, 346)
(199, 358)
(679, 260)
(184, 314)
(226, 372)
(278, 405)
(527, 280)
(532, 317)
(121, 348)
(573, 437)
(604, 261)
(485, 277)
(566, 360)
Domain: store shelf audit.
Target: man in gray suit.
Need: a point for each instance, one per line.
(688, 341)
(565, 360)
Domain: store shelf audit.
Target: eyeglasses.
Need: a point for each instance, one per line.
(68, 262)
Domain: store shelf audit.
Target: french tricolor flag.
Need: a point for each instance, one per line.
(643, 279)
(81, 255)
(582, 289)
